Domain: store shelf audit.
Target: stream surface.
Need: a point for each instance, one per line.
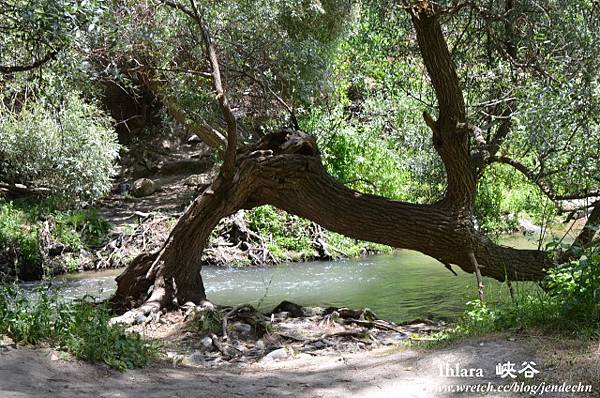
(399, 287)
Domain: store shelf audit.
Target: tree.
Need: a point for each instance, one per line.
(34, 32)
(284, 169)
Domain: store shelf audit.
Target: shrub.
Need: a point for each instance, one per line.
(20, 225)
(577, 286)
(569, 303)
(17, 233)
(80, 328)
(70, 150)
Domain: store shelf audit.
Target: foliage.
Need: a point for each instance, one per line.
(70, 150)
(20, 224)
(577, 286)
(84, 227)
(15, 231)
(569, 304)
(286, 233)
(32, 29)
(289, 236)
(81, 328)
(370, 132)
(504, 195)
(268, 48)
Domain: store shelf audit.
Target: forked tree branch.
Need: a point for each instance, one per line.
(211, 55)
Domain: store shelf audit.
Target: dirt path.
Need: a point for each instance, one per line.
(394, 372)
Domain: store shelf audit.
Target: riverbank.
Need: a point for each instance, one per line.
(386, 372)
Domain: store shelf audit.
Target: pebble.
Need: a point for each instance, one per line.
(241, 328)
(277, 355)
(207, 342)
(196, 358)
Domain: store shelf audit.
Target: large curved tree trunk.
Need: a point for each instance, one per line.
(285, 171)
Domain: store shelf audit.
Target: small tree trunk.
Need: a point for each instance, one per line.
(155, 280)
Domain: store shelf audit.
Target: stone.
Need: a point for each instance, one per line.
(139, 319)
(197, 358)
(207, 343)
(293, 309)
(319, 345)
(6, 341)
(143, 187)
(313, 311)
(197, 180)
(194, 139)
(260, 345)
(241, 328)
(276, 355)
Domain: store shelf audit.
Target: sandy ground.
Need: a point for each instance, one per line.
(396, 372)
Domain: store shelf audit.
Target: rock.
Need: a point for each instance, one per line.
(165, 144)
(319, 345)
(260, 345)
(139, 319)
(197, 180)
(197, 358)
(143, 187)
(6, 341)
(124, 188)
(207, 343)
(243, 329)
(206, 305)
(294, 310)
(313, 311)
(527, 227)
(194, 139)
(274, 356)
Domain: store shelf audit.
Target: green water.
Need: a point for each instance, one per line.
(399, 287)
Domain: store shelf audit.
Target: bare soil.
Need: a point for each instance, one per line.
(385, 372)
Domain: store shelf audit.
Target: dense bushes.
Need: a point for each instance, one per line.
(80, 328)
(70, 150)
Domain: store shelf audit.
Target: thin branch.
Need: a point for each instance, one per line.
(36, 64)
(211, 55)
(544, 186)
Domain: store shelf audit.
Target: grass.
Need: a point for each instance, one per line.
(21, 222)
(80, 328)
(568, 305)
(289, 237)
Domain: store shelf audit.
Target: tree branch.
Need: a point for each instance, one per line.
(546, 188)
(230, 120)
(51, 55)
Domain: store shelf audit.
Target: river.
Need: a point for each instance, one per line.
(399, 287)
